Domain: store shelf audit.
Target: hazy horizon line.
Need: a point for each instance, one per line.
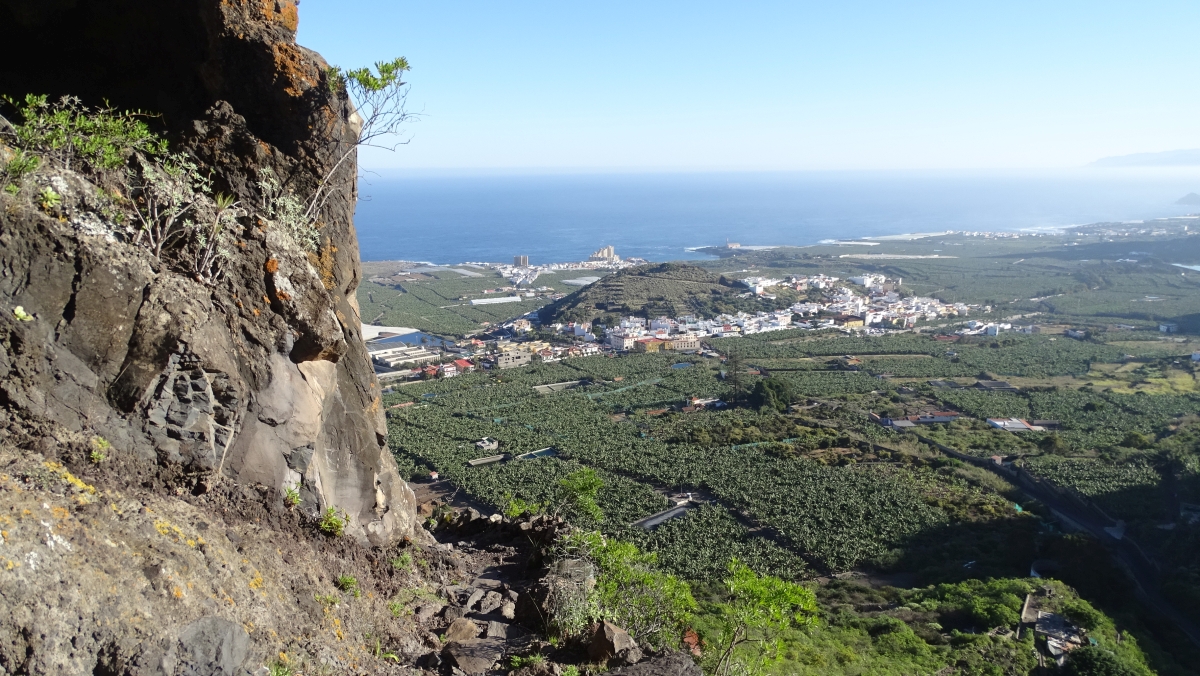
(548, 171)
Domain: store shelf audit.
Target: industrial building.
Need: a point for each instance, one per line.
(404, 354)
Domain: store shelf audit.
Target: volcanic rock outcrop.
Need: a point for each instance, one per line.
(261, 378)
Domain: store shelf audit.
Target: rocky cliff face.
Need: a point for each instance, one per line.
(152, 420)
(260, 379)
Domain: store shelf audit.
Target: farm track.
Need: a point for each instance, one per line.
(1129, 557)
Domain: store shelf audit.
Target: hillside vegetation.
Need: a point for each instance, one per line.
(670, 289)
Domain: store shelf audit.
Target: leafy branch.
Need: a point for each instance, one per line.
(379, 99)
(759, 608)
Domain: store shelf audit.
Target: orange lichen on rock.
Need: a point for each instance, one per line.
(290, 17)
(283, 12)
(299, 73)
(325, 265)
(272, 266)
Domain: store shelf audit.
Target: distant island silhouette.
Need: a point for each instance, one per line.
(1190, 199)
(1169, 158)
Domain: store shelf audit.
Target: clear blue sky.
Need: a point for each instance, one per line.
(698, 85)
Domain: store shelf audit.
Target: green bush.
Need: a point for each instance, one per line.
(516, 507)
(76, 137)
(332, 523)
(291, 494)
(348, 584)
(1095, 661)
(99, 452)
(635, 594)
(48, 199)
(577, 495)
(518, 661)
(630, 591)
(759, 609)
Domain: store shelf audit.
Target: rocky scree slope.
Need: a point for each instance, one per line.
(105, 578)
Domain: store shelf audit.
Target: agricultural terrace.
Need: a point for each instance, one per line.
(438, 300)
(820, 487)
(794, 495)
(1126, 404)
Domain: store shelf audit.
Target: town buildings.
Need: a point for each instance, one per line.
(513, 358)
(838, 307)
(604, 255)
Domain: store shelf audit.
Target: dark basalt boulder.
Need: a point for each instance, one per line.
(672, 664)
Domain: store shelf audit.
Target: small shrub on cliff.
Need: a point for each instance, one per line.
(211, 241)
(348, 584)
(379, 99)
(403, 562)
(17, 167)
(165, 193)
(517, 507)
(73, 136)
(288, 212)
(332, 523)
(172, 202)
(100, 448)
(291, 495)
(577, 493)
(518, 661)
(633, 592)
(175, 208)
(48, 199)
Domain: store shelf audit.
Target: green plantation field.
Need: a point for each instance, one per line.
(625, 421)
(440, 302)
(820, 507)
(818, 488)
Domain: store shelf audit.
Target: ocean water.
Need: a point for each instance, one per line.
(451, 218)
